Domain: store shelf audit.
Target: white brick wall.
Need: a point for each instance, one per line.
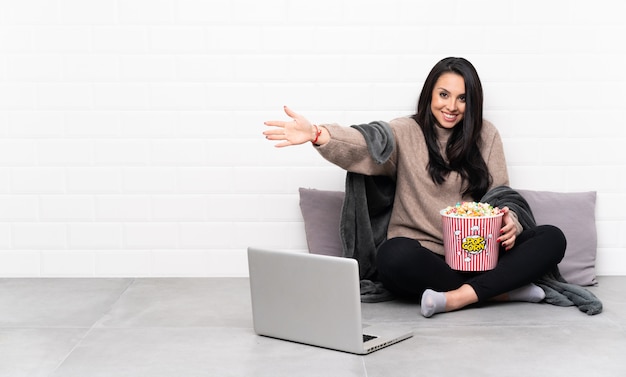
(130, 130)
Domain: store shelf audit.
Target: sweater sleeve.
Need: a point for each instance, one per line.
(347, 149)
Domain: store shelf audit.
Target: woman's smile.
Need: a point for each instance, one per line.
(449, 117)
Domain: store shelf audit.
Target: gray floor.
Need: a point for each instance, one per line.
(203, 327)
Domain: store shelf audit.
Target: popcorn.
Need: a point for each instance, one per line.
(471, 209)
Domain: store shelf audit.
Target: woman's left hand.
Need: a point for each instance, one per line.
(507, 233)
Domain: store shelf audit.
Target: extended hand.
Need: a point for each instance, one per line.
(297, 131)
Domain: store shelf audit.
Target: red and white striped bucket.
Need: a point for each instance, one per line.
(470, 243)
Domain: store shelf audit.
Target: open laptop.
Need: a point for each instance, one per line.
(313, 299)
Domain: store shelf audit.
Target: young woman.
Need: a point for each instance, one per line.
(444, 154)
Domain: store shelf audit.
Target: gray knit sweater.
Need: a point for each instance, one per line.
(418, 199)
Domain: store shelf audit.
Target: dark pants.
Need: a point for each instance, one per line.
(406, 268)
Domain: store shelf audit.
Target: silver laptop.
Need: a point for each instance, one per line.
(313, 299)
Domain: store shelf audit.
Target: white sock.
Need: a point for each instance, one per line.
(528, 293)
(432, 303)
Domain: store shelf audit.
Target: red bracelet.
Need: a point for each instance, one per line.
(318, 132)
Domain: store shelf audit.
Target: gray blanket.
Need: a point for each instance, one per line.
(368, 201)
(365, 217)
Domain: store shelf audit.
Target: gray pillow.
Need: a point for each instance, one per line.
(321, 211)
(575, 214)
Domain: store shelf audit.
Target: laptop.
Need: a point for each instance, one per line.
(313, 299)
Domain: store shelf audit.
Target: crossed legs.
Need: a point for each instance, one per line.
(406, 268)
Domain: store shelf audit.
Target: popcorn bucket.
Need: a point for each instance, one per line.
(470, 242)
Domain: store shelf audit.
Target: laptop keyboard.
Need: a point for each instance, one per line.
(368, 337)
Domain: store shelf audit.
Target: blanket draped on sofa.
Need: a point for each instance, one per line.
(367, 209)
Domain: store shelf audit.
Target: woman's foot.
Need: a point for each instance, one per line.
(432, 303)
(527, 293)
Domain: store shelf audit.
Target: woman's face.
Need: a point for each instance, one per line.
(448, 100)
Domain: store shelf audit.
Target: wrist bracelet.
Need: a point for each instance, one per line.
(318, 132)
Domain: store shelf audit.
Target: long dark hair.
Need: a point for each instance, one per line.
(462, 149)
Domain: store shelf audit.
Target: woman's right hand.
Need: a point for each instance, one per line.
(296, 131)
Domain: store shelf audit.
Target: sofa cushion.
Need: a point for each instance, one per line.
(574, 214)
(321, 211)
